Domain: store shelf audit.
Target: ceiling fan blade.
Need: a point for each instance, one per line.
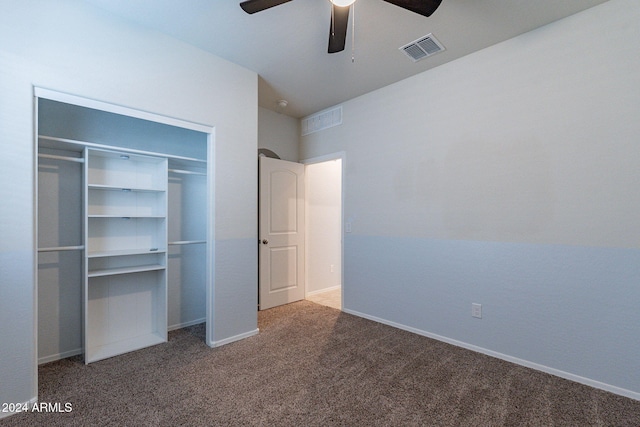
(253, 6)
(338, 28)
(423, 7)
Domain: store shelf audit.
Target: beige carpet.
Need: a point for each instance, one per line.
(315, 366)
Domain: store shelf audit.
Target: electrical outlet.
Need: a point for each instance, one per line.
(476, 310)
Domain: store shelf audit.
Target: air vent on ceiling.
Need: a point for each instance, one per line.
(422, 48)
(322, 120)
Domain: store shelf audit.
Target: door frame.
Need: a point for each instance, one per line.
(341, 155)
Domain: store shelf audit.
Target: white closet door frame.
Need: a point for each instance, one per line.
(209, 130)
(118, 109)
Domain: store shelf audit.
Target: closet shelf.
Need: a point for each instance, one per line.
(125, 270)
(125, 252)
(125, 216)
(187, 172)
(125, 189)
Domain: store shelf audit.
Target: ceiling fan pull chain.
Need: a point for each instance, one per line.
(353, 33)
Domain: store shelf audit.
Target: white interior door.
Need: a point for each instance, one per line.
(281, 232)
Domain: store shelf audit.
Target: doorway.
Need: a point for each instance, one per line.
(324, 213)
(316, 186)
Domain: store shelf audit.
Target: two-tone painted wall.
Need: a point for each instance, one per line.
(507, 178)
(72, 47)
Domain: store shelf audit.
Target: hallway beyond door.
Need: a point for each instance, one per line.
(331, 298)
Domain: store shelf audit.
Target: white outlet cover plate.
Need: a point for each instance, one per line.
(476, 310)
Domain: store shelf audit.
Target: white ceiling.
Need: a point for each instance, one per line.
(286, 45)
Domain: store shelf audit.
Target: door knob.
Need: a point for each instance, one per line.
(265, 241)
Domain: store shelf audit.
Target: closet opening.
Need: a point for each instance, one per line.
(124, 223)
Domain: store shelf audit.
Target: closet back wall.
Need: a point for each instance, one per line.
(85, 124)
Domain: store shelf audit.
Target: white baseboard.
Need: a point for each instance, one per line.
(528, 364)
(233, 338)
(59, 356)
(30, 403)
(185, 324)
(75, 352)
(321, 291)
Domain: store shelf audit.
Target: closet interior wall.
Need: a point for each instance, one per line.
(60, 217)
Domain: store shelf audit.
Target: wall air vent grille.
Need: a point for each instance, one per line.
(422, 48)
(322, 120)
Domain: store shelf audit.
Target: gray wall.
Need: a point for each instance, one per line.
(72, 47)
(508, 178)
(279, 133)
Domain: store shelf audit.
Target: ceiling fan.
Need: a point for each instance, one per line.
(340, 14)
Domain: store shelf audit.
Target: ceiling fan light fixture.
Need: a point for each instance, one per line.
(342, 3)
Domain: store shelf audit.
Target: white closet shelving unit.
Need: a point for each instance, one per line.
(123, 227)
(125, 242)
(125, 295)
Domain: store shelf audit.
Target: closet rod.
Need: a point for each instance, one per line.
(61, 248)
(66, 158)
(185, 172)
(187, 242)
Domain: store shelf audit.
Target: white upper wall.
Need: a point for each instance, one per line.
(72, 47)
(279, 133)
(532, 140)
